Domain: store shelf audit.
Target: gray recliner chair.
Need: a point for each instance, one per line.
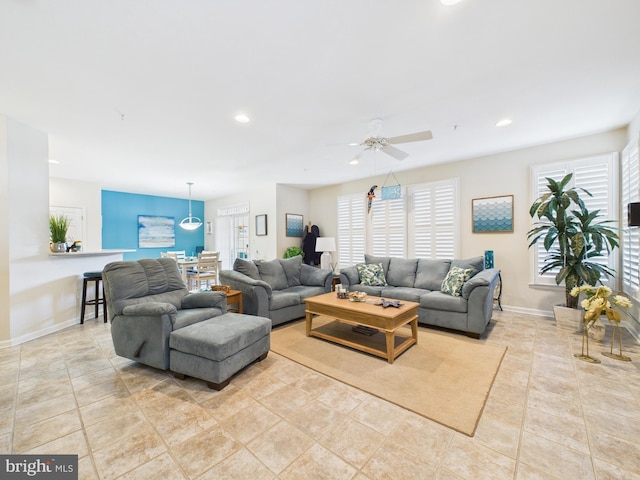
(147, 300)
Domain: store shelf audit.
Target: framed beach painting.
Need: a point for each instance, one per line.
(492, 214)
(156, 231)
(294, 225)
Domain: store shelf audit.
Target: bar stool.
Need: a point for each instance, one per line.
(98, 300)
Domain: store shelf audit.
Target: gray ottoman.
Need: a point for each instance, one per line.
(216, 349)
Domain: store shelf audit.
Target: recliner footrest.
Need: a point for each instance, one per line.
(215, 349)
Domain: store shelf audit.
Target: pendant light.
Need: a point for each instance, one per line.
(191, 222)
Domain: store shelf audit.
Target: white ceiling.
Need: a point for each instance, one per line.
(140, 95)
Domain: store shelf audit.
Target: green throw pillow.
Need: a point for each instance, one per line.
(371, 274)
(455, 279)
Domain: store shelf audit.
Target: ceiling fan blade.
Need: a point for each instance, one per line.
(359, 156)
(395, 152)
(412, 137)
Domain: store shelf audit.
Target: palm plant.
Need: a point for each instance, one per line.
(572, 235)
(58, 227)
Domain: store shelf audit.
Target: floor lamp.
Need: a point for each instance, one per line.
(326, 245)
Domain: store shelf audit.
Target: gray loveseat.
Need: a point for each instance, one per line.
(421, 280)
(276, 289)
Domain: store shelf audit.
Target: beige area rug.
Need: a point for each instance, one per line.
(445, 377)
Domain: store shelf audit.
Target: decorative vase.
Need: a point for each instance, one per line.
(568, 318)
(59, 248)
(596, 330)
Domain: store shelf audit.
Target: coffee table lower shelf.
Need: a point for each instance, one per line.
(385, 344)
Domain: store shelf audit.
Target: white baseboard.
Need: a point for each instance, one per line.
(631, 327)
(528, 311)
(40, 333)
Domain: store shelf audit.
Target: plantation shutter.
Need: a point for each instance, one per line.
(594, 174)
(432, 220)
(630, 237)
(388, 227)
(351, 230)
(421, 223)
(556, 172)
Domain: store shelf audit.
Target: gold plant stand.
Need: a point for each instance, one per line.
(585, 340)
(610, 354)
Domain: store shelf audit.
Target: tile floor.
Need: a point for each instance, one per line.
(549, 416)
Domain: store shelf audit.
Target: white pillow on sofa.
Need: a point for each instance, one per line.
(371, 274)
(455, 280)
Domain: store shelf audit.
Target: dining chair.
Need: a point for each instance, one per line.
(178, 254)
(205, 271)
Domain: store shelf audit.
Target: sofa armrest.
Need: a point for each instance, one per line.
(205, 300)
(240, 281)
(480, 306)
(483, 278)
(256, 294)
(349, 276)
(313, 276)
(149, 309)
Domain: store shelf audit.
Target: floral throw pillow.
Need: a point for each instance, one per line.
(371, 274)
(455, 279)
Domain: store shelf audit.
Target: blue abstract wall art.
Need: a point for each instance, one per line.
(294, 225)
(156, 231)
(493, 214)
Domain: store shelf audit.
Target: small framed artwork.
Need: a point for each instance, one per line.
(492, 214)
(261, 225)
(294, 225)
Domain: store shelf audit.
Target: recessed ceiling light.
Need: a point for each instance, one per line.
(449, 2)
(353, 162)
(242, 118)
(504, 122)
(354, 144)
(55, 162)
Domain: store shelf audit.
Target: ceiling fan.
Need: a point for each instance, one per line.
(385, 144)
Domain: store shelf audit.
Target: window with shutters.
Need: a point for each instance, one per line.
(422, 223)
(597, 175)
(630, 236)
(388, 227)
(351, 230)
(432, 214)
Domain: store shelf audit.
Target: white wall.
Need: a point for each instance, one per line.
(5, 298)
(39, 293)
(273, 200)
(261, 201)
(634, 128)
(290, 200)
(86, 195)
(492, 175)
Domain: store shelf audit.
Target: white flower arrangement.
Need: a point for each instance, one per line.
(599, 301)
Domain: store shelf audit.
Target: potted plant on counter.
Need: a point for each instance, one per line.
(574, 237)
(58, 227)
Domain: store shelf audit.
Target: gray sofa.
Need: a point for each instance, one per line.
(276, 289)
(421, 280)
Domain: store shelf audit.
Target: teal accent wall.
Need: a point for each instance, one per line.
(120, 222)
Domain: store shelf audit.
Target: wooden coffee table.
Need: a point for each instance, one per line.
(387, 320)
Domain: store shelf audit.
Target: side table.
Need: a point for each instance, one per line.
(498, 293)
(234, 297)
